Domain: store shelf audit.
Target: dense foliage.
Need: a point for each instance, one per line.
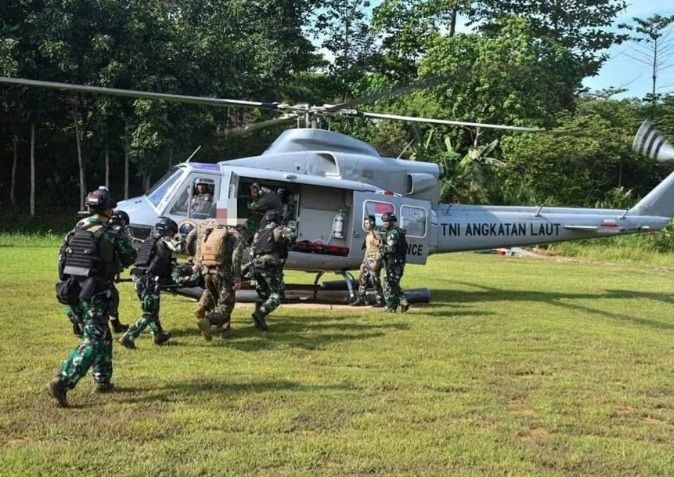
(522, 63)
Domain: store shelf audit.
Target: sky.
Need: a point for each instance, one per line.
(624, 72)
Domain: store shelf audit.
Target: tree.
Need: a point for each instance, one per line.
(581, 27)
(654, 47)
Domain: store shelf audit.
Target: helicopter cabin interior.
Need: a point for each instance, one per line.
(328, 220)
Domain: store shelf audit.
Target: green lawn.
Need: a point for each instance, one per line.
(518, 367)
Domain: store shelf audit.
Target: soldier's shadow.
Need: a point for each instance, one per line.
(302, 332)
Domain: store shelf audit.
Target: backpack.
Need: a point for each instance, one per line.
(80, 252)
(214, 248)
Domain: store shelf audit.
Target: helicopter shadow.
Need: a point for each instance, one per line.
(560, 299)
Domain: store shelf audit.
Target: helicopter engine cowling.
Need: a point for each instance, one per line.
(419, 182)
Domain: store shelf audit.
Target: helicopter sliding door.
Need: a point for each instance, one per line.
(414, 216)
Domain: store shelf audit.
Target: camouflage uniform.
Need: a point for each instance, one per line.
(148, 289)
(91, 315)
(114, 292)
(266, 200)
(395, 266)
(370, 270)
(268, 272)
(220, 282)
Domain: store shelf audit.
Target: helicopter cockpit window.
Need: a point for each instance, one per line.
(377, 208)
(413, 220)
(196, 199)
(163, 186)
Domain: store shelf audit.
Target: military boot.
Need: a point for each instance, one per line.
(379, 304)
(359, 301)
(127, 341)
(260, 319)
(77, 330)
(161, 337)
(58, 391)
(404, 307)
(225, 331)
(204, 325)
(117, 326)
(200, 312)
(103, 387)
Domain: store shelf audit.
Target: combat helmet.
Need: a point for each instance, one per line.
(100, 200)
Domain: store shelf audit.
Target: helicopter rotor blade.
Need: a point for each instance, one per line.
(290, 119)
(142, 94)
(449, 122)
(426, 83)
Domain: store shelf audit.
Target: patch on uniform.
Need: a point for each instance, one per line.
(186, 226)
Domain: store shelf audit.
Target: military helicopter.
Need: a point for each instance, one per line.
(330, 181)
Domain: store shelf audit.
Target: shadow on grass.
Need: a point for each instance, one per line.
(304, 333)
(186, 390)
(447, 298)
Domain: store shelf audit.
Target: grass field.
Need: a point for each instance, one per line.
(519, 367)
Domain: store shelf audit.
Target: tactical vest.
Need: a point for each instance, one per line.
(82, 259)
(146, 252)
(400, 250)
(214, 247)
(264, 241)
(152, 260)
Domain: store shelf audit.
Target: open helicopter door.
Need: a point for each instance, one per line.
(414, 216)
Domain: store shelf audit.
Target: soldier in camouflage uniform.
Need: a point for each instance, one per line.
(394, 261)
(371, 267)
(154, 268)
(91, 299)
(221, 280)
(119, 222)
(262, 200)
(270, 250)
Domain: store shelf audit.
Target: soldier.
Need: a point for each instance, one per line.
(370, 269)
(218, 260)
(262, 201)
(395, 257)
(270, 250)
(86, 268)
(119, 222)
(202, 199)
(154, 268)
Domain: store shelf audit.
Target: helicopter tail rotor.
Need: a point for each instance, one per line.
(650, 142)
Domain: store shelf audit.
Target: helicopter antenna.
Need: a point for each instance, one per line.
(192, 155)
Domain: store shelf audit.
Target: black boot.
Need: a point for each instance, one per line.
(259, 317)
(359, 301)
(117, 326)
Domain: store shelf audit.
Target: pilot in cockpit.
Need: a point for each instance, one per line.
(202, 198)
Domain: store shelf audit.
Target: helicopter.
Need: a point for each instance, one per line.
(329, 182)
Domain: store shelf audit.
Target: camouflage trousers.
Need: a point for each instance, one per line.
(270, 287)
(218, 299)
(95, 349)
(372, 278)
(114, 301)
(393, 294)
(149, 293)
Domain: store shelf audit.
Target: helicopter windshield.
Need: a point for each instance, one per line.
(161, 188)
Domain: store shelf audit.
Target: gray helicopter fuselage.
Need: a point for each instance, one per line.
(330, 182)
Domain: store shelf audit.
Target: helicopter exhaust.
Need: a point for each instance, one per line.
(650, 142)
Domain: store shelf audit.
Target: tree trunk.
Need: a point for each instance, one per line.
(107, 168)
(146, 182)
(32, 170)
(126, 173)
(80, 159)
(12, 187)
